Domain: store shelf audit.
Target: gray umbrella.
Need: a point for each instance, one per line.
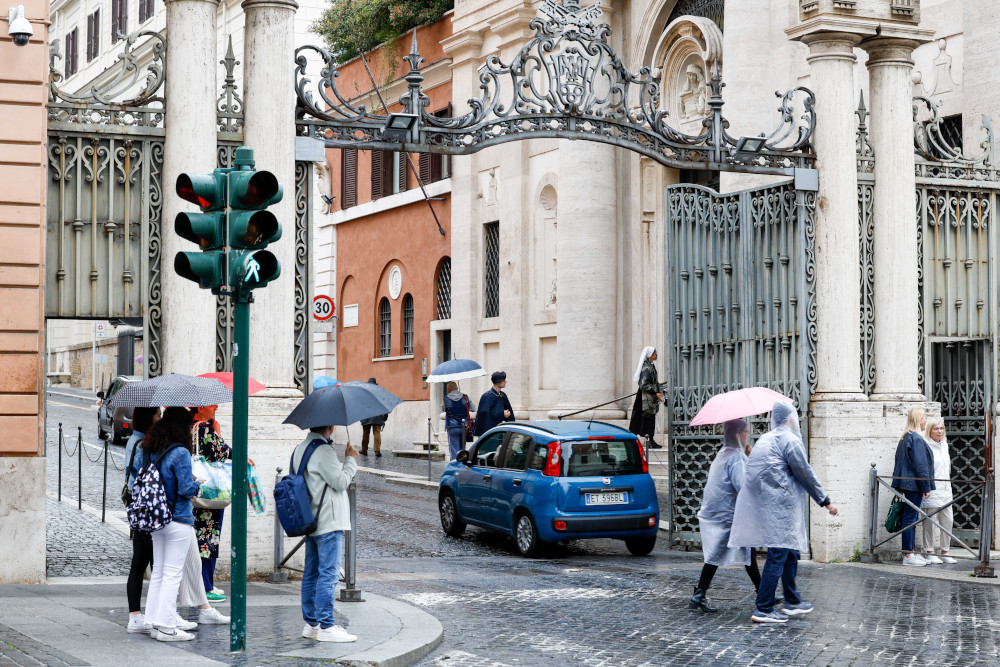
(343, 404)
(168, 390)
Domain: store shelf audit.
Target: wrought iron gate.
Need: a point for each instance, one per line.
(741, 300)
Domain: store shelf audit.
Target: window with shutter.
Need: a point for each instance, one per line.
(93, 34)
(425, 168)
(348, 178)
(377, 174)
(402, 167)
(119, 19)
(145, 10)
(71, 52)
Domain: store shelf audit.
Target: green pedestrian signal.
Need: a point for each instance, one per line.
(251, 226)
(252, 269)
(207, 229)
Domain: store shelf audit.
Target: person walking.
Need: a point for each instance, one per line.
(142, 543)
(457, 417)
(374, 426)
(715, 518)
(494, 406)
(933, 536)
(647, 399)
(166, 446)
(913, 476)
(771, 512)
(206, 441)
(327, 480)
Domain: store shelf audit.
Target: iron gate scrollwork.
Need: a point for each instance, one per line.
(741, 312)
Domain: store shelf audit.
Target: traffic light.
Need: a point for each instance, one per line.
(251, 226)
(207, 229)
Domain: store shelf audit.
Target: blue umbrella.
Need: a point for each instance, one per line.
(343, 404)
(455, 370)
(324, 381)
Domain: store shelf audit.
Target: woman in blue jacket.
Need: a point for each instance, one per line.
(166, 446)
(913, 476)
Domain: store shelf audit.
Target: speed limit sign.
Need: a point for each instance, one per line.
(323, 308)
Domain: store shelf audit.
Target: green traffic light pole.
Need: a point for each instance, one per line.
(241, 377)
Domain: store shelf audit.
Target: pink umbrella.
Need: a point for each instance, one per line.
(737, 404)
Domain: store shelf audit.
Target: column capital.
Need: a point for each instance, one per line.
(290, 5)
(464, 46)
(831, 46)
(894, 49)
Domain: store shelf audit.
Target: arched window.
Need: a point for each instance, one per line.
(443, 295)
(408, 324)
(385, 328)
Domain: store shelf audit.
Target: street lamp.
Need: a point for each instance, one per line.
(398, 126)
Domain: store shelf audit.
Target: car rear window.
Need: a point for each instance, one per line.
(602, 458)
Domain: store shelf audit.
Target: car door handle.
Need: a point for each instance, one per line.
(517, 482)
(487, 478)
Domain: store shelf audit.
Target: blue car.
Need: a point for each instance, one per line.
(550, 481)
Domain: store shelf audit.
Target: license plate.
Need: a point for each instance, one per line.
(617, 498)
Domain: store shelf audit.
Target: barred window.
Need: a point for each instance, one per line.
(408, 324)
(491, 269)
(385, 333)
(443, 295)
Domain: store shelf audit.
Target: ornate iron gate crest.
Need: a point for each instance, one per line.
(741, 312)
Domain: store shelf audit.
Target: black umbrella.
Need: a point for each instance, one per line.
(168, 390)
(343, 404)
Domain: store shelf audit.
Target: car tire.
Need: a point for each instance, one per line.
(452, 525)
(526, 535)
(640, 546)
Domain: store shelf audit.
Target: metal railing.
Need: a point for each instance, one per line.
(984, 487)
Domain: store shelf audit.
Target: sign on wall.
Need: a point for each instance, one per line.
(351, 315)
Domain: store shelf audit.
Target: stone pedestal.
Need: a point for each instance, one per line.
(188, 332)
(894, 208)
(22, 519)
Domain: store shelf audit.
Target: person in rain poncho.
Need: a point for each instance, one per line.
(457, 414)
(771, 511)
(715, 519)
(648, 398)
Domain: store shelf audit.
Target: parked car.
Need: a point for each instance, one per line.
(114, 422)
(550, 481)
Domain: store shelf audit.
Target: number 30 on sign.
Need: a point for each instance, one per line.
(323, 307)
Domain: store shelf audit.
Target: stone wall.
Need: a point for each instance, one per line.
(73, 364)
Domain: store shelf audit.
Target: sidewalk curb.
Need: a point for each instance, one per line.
(899, 569)
(420, 634)
(92, 399)
(401, 478)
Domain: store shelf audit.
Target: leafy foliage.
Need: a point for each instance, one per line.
(350, 26)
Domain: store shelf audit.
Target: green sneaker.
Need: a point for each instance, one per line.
(214, 596)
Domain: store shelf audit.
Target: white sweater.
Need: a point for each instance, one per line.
(942, 470)
(325, 471)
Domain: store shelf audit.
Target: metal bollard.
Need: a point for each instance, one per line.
(872, 508)
(278, 576)
(350, 593)
(104, 487)
(429, 449)
(79, 467)
(59, 487)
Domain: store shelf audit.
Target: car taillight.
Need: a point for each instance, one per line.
(559, 525)
(553, 462)
(652, 521)
(124, 424)
(642, 455)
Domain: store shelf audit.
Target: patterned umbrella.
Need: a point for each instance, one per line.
(174, 389)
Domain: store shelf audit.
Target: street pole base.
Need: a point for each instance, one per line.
(350, 595)
(984, 572)
(278, 577)
(870, 558)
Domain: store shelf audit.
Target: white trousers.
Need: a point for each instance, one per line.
(934, 537)
(171, 545)
(192, 590)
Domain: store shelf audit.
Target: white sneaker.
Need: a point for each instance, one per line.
(185, 625)
(933, 560)
(914, 560)
(309, 631)
(334, 634)
(947, 559)
(171, 635)
(138, 624)
(211, 616)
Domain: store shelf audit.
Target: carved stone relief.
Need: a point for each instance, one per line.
(687, 51)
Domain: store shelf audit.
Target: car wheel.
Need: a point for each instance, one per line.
(640, 546)
(526, 536)
(450, 522)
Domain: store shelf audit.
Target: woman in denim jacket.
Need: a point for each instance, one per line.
(913, 475)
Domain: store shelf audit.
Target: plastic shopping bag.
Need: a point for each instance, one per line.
(216, 483)
(254, 494)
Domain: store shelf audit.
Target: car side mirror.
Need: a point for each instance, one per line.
(463, 457)
(100, 395)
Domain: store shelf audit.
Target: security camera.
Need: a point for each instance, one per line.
(18, 27)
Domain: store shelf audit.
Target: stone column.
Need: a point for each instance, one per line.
(188, 332)
(587, 272)
(895, 248)
(838, 274)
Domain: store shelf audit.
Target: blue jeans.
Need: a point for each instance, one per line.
(909, 516)
(319, 578)
(456, 440)
(781, 564)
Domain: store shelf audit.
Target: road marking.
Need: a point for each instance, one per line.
(68, 405)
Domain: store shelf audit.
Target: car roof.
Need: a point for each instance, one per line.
(129, 378)
(573, 428)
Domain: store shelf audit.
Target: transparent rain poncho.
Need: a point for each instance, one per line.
(771, 506)
(715, 519)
